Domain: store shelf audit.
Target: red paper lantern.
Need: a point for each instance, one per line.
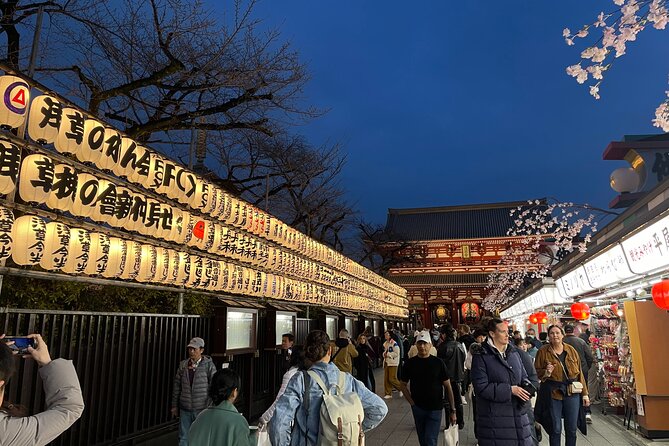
(534, 318)
(198, 230)
(542, 317)
(580, 311)
(470, 310)
(614, 308)
(660, 294)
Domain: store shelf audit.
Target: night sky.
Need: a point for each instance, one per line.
(444, 103)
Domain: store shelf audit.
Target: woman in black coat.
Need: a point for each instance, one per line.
(497, 375)
(364, 371)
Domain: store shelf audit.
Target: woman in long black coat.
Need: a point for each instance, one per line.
(497, 375)
(363, 363)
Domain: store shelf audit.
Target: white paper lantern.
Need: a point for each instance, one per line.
(37, 174)
(135, 161)
(625, 180)
(6, 224)
(156, 172)
(207, 271)
(169, 185)
(200, 198)
(208, 238)
(173, 267)
(162, 265)
(132, 260)
(16, 97)
(122, 207)
(179, 217)
(135, 220)
(56, 246)
(64, 188)
(45, 117)
(218, 206)
(166, 222)
(79, 249)
(93, 142)
(87, 192)
(151, 223)
(99, 256)
(186, 186)
(216, 272)
(71, 131)
(118, 251)
(194, 271)
(212, 201)
(147, 265)
(105, 202)
(183, 269)
(28, 235)
(10, 163)
(111, 150)
(188, 230)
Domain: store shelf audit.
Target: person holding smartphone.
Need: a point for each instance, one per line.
(63, 397)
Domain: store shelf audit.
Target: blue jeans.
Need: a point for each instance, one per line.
(566, 408)
(428, 423)
(186, 418)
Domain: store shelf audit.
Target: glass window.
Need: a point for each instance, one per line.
(240, 330)
(284, 324)
(331, 326)
(348, 323)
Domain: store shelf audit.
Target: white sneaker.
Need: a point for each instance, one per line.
(588, 418)
(401, 394)
(387, 397)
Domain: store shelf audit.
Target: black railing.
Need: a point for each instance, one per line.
(125, 362)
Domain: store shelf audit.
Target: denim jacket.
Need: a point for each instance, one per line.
(290, 410)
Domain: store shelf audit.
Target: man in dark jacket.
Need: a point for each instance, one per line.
(452, 353)
(533, 378)
(530, 333)
(584, 352)
(190, 394)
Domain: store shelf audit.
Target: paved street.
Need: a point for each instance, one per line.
(398, 427)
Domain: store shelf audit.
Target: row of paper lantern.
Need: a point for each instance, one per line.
(72, 132)
(61, 187)
(55, 246)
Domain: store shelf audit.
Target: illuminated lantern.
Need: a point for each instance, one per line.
(6, 223)
(194, 271)
(71, 131)
(87, 192)
(122, 206)
(215, 276)
(151, 223)
(183, 270)
(219, 206)
(201, 196)
(132, 260)
(111, 149)
(580, 311)
(212, 201)
(169, 186)
(186, 183)
(231, 214)
(189, 225)
(64, 188)
(37, 173)
(198, 230)
(207, 241)
(614, 308)
(624, 179)
(93, 142)
(29, 235)
(660, 293)
(534, 318)
(166, 222)
(173, 266)
(10, 154)
(79, 250)
(156, 172)
(99, 256)
(207, 270)
(147, 264)
(135, 220)
(15, 94)
(162, 265)
(135, 161)
(128, 145)
(105, 202)
(217, 236)
(179, 219)
(118, 251)
(56, 244)
(45, 115)
(542, 317)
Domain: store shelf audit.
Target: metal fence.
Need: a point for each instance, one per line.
(125, 362)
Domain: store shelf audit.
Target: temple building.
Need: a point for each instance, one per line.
(443, 256)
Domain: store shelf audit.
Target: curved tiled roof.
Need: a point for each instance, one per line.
(454, 280)
(451, 222)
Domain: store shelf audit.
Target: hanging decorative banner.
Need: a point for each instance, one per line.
(99, 255)
(78, 249)
(46, 113)
(71, 131)
(10, 163)
(37, 174)
(56, 244)
(15, 99)
(29, 235)
(6, 223)
(118, 250)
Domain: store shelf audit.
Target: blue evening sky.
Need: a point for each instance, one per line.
(444, 103)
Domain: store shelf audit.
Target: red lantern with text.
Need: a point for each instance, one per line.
(534, 318)
(542, 317)
(660, 294)
(470, 310)
(580, 311)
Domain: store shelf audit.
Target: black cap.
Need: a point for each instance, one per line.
(568, 328)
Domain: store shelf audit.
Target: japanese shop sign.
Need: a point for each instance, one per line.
(648, 250)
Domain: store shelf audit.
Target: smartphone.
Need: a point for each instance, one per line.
(21, 343)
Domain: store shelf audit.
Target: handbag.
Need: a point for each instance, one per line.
(529, 387)
(574, 387)
(263, 436)
(451, 436)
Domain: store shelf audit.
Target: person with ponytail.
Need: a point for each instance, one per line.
(64, 402)
(221, 424)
